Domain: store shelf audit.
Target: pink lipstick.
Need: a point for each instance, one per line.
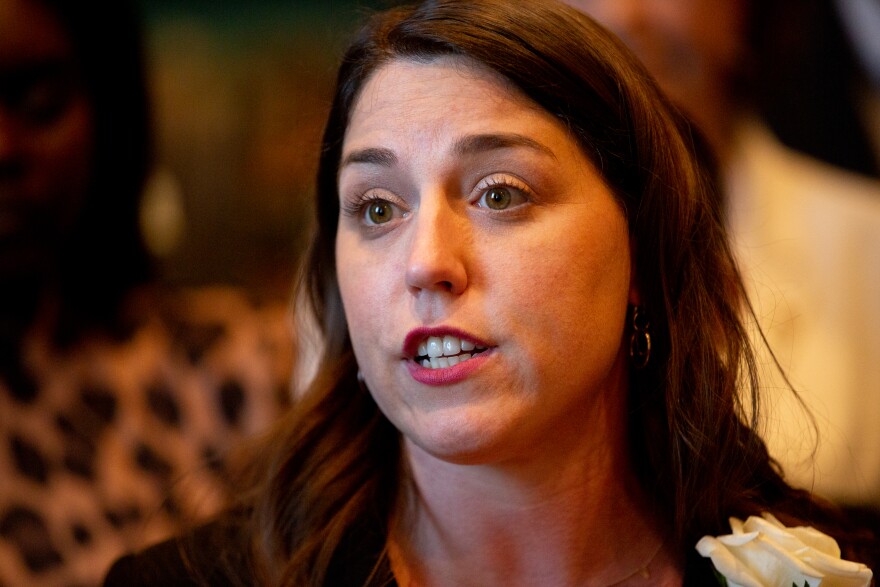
(443, 355)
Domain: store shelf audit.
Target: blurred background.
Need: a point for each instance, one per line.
(240, 89)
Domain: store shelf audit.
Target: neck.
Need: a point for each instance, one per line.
(577, 517)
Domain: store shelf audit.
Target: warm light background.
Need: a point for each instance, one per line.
(240, 89)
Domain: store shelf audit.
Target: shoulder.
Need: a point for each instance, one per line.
(162, 564)
(763, 168)
(217, 554)
(213, 554)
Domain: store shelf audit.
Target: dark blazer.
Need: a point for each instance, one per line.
(214, 555)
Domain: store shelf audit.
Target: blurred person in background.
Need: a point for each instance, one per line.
(119, 401)
(807, 236)
(816, 71)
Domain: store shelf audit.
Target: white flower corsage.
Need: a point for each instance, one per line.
(762, 552)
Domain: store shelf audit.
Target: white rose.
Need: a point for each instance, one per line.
(762, 552)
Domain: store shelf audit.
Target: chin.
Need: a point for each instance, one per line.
(461, 441)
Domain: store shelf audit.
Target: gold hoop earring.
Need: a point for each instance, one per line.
(640, 339)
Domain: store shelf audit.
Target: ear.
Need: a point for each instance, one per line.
(635, 297)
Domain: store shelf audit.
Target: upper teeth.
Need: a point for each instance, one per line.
(436, 346)
(448, 351)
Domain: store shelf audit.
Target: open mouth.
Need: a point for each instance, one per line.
(441, 352)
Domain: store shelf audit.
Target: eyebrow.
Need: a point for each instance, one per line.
(469, 145)
(371, 156)
(473, 144)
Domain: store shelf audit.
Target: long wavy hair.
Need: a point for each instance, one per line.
(334, 462)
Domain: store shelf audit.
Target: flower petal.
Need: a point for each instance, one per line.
(726, 563)
(774, 566)
(763, 552)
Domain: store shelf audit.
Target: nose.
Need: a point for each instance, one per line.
(13, 149)
(8, 135)
(10, 151)
(438, 248)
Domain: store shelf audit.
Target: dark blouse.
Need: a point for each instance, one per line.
(215, 555)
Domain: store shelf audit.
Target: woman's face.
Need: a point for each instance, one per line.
(473, 226)
(46, 134)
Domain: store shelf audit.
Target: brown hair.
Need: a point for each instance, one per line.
(335, 461)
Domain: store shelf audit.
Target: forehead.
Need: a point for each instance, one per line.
(440, 70)
(30, 32)
(431, 97)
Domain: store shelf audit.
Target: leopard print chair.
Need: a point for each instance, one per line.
(112, 445)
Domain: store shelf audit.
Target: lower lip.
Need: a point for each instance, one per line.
(448, 375)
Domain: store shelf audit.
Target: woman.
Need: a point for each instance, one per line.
(533, 347)
(74, 158)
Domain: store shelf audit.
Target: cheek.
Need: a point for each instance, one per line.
(348, 273)
(364, 279)
(64, 156)
(569, 294)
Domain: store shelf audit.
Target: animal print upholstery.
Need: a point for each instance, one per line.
(112, 445)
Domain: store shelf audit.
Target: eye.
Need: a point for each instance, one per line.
(373, 209)
(379, 212)
(42, 94)
(502, 193)
(497, 198)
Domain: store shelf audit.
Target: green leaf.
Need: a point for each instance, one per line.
(722, 580)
